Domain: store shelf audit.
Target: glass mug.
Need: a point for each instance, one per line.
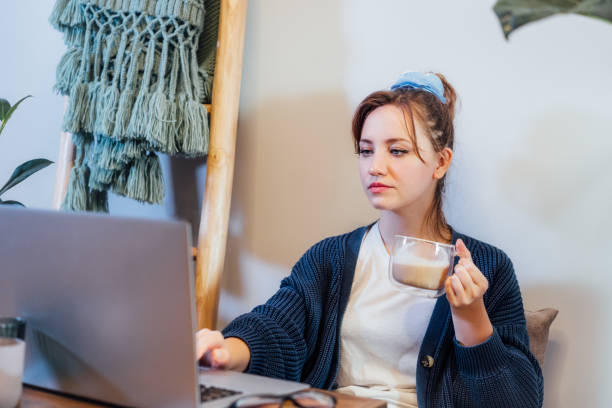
(419, 266)
(12, 358)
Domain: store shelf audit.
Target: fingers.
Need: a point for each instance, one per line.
(209, 348)
(477, 278)
(480, 280)
(220, 358)
(465, 259)
(465, 288)
(450, 292)
(467, 285)
(462, 250)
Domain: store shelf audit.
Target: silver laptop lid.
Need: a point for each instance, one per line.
(101, 295)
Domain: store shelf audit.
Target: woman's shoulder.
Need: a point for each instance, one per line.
(341, 242)
(327, 258)
(336, 248)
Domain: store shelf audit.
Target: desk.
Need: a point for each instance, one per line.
(36, 398)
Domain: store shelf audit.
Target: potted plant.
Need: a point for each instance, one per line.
(24, 170)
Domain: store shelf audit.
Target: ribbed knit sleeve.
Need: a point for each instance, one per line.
(281, 334)
(500, 372)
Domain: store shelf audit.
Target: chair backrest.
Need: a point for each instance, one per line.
(538, 326)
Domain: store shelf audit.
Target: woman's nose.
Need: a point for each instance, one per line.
(377, 165)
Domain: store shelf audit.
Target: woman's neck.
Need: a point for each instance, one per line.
(407, 223)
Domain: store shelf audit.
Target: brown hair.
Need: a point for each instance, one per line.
(437, 117)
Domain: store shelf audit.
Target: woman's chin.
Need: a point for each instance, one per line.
(380, 204)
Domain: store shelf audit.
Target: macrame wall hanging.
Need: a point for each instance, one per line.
(137, 73)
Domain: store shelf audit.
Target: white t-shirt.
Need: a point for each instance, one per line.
(382, 331)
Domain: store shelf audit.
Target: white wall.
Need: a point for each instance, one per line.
(531, 169)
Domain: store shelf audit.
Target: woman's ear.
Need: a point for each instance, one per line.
(444, 161)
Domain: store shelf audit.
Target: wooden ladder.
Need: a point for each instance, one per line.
(212, 236)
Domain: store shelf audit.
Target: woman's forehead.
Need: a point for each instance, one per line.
(390, 124)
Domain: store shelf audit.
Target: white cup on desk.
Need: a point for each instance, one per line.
(12, 358)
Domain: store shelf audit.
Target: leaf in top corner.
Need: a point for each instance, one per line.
(513, 14)
(600, 9)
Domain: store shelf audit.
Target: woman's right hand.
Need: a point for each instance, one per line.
(212, 350)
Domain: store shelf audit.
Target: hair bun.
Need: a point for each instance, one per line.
(449, 94)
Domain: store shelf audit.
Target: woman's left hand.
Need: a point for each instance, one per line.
(464, 291)
(467, 285)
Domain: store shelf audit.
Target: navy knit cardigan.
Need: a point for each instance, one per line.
(295, 335)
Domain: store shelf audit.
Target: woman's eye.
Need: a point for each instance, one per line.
(365, 152)
(398, 152)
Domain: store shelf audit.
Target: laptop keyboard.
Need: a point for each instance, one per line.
(213, 393)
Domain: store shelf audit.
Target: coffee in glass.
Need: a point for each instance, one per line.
(419, 266)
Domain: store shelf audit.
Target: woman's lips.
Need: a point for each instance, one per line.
(378, 187)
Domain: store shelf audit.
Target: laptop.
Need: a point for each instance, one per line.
(110, 310)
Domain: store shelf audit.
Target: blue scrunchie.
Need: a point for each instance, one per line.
(419, 80)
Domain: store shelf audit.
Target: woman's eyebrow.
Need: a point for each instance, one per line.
(388, 141)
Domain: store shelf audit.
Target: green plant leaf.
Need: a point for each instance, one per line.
(24, 171)
(6, 115)
(11, 202)
(4, 108)
(513, 14)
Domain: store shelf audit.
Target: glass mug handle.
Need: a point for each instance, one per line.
(451, 266)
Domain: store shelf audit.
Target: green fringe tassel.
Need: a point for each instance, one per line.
(130, 150)
(195, 140)
(106, 153)
(161, 127)
(58, 9)
(137, 126)
(100, 178)
(124, 112)
(105, 122)
(111, 154)
(67, 72)
(66, 14)
(145, 181)
(156, 188)
(76, 194)
(72, 15)
(98, 201)
(207, 82)
(75, 36)
(120, 185)
(81, 141)
(94, 103)
(77, 108)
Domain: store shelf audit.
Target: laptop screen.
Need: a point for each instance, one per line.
(108, 304)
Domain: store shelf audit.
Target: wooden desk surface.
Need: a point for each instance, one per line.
(36, 398)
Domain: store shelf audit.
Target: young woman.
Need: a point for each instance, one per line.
(337, 323)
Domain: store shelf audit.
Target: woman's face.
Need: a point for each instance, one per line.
(392, 175)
